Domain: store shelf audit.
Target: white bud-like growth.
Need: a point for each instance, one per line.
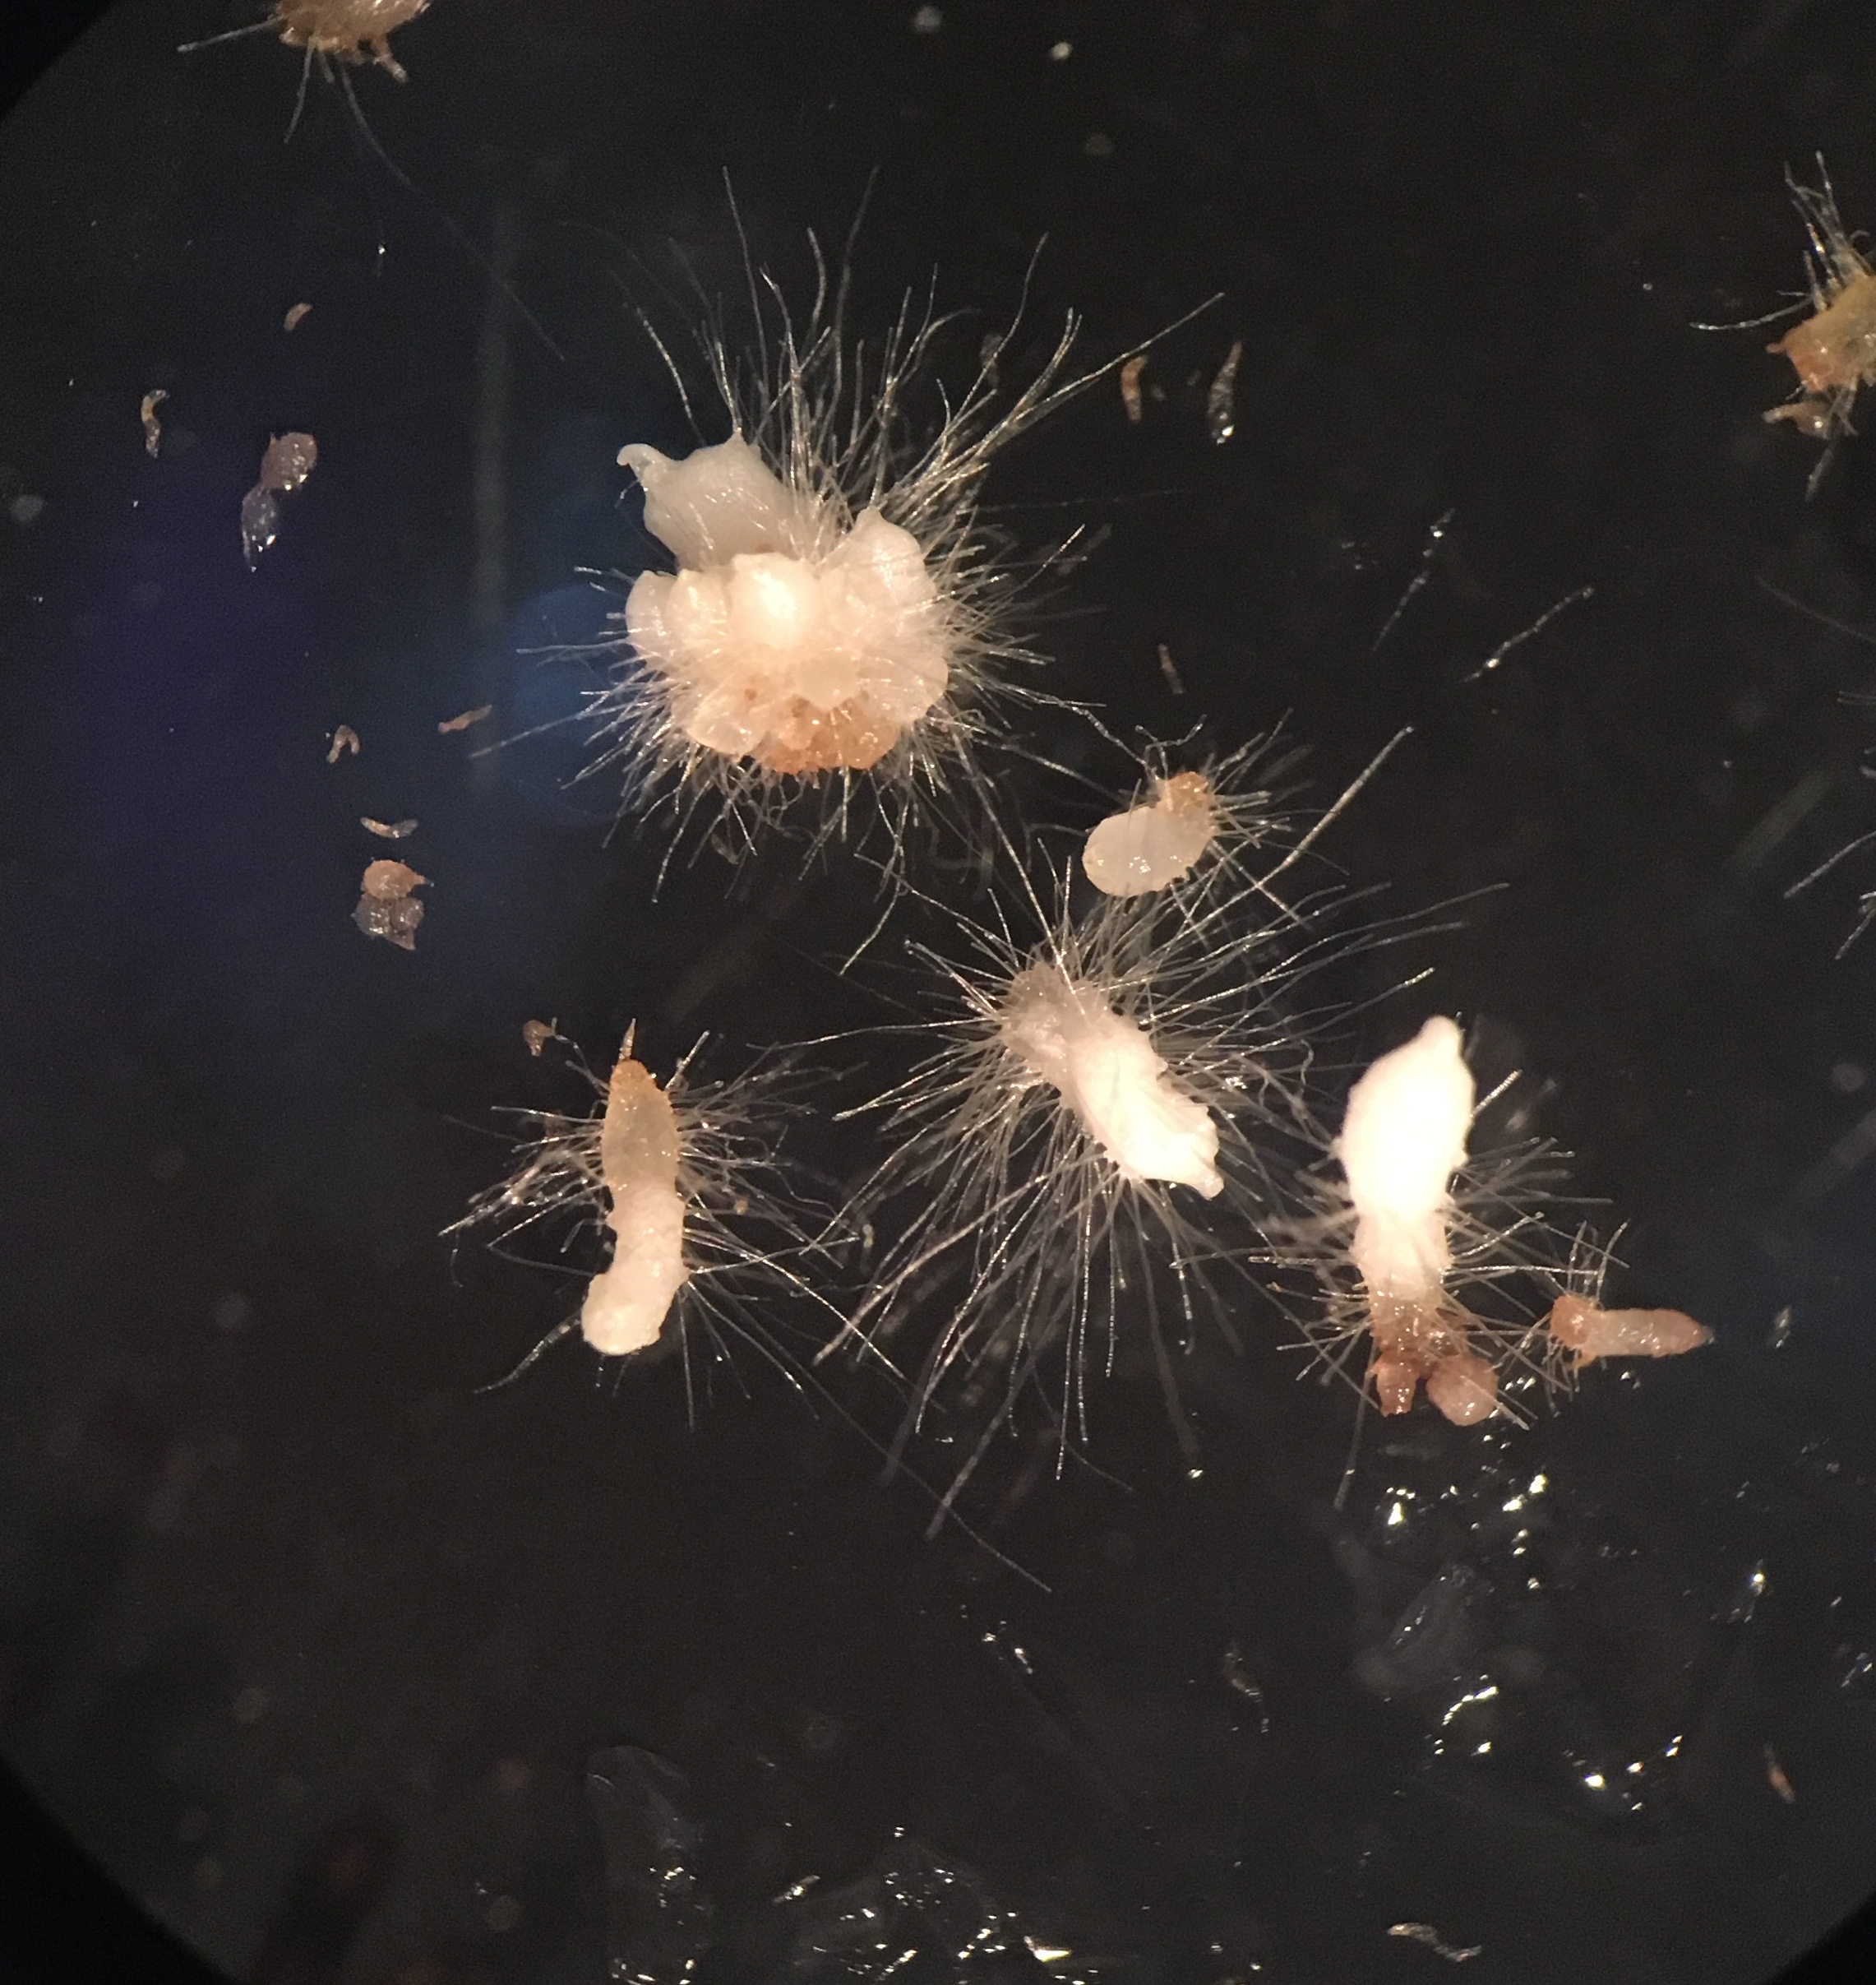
(1402, 1138)
(1151, 845)
(1107, 1072)
(783, 638)
(706, 507)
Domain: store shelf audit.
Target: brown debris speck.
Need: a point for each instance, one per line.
(390, 882)
(152, 427)
(537, 1034)
(344, 739)
(1776, 1778)
(1130, 386)
(467, 718)
(290, 459)
(1169, 669)
(295, 315)
(387, 830)
(386, 909)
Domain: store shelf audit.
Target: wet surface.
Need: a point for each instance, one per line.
(324, 1652)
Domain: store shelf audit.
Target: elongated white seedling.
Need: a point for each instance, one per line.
(697, 1209)
(640, 1150)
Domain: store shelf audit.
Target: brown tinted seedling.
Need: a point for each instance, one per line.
(1834, 348)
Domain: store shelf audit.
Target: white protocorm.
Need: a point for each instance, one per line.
(640, 1149)
(785, 636)
(1108, 1073)
(1402, 1138)
(1154, 844)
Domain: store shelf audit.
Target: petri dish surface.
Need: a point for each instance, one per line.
(640, 1669)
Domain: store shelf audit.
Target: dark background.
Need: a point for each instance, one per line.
(306, 1642)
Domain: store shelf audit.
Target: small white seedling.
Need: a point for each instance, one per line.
(1576, 1331)
(1084, 1154)
(1582, 1329)
(1192, 829)
(685, 1181)
(1444, 1264)
(640, 1148)
(1157, 841)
